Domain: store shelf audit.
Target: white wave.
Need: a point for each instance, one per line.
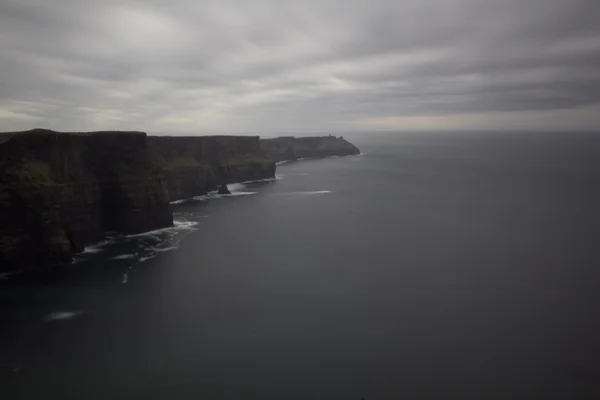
(283, 162)
(233, 194)
(157, 235)
(98, 247)
(163, 249)
(179, 201)
(183, 225)
(93, 249)
(206, 197)
(308, 192)
(125, 257)
(150, 233)
(177, 225)
(317, 192)
(195, 198)
(236, 187)
(263, 180)
(179, 229)
(63, 315)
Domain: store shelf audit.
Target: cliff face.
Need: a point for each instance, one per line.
(195, 165)
(60, 192)
(290, 148)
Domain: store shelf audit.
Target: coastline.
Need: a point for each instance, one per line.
(60, 193)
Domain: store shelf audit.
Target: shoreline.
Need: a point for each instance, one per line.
(60, 193)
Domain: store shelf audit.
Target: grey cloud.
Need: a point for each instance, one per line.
(214, 66)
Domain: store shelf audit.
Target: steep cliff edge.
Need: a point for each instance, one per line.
(290, 148)
(195, 165)
(62, 191)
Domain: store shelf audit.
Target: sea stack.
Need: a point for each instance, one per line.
(223, 189)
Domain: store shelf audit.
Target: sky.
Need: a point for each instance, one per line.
(284, 66)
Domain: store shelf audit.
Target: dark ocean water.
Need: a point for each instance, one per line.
(433, 266)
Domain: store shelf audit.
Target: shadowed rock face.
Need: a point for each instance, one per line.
(290, 148)
(60, 192)
(196, 165)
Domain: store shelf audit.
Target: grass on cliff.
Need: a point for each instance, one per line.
(184, 162)
(32, 171)
(245, 160)
(178, 162)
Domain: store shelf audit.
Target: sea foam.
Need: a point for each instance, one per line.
(125, 257)
(62, 315)
(306, 193)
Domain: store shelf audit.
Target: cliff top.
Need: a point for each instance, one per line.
(203, 136)
(4, 136)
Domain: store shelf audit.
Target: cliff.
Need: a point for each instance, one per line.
(62, 191)
(290, 148)
(195, 165)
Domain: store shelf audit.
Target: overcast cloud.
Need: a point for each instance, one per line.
(299, 66)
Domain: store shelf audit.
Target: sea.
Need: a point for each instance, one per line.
(431, 266)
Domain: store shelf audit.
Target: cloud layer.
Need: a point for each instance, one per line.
(299, 66)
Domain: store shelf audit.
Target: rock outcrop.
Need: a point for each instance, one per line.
(223, 189)
(62, 191)
(290, 148)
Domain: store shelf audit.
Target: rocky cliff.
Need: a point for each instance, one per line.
(290, 148)
(195, 165)
(62, 191)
